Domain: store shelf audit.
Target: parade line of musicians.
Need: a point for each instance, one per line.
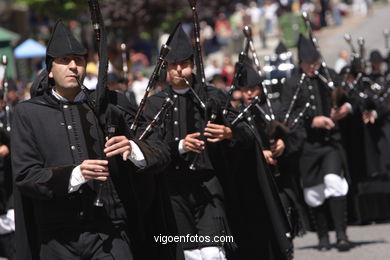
(96, 177)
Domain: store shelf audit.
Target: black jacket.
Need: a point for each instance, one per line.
(49, 139)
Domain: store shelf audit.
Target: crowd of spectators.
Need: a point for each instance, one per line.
(222, 34)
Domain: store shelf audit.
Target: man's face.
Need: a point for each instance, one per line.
(376, 66)
(248, 94)
(179, 70)
(66, 69)
(309, 68)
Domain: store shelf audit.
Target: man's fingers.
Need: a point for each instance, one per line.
(193, 135)
(276, 153)
(194, 149)
(125, 155)
(214, 140)
(208, 134)
(114, 146)
(93, 167)
(211, 125)
(95, 173)
(112, 140)
(95, 162)
(218, 130)
(117, 151)
(194, 141)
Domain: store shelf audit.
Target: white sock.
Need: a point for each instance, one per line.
(213, 253)
(193, 254)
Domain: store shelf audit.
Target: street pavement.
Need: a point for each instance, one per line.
(371, 242)
(331, 40)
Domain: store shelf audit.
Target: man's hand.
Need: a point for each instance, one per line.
(118, 145)
(368, 116)
(191, 143)
(341, 112)
(4, 151)
(322, 122)
(278, 148)
(268, 157)
(217, 132)
(94, 170)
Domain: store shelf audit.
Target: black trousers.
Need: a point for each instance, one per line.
(87, 245)
(7, 246)
(198, 209)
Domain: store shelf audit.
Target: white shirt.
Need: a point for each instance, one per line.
(139, 87)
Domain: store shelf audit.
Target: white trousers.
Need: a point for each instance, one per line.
(205, 253)
(333, 186)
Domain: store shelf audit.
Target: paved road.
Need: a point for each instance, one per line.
(371, 28)
(371, 242)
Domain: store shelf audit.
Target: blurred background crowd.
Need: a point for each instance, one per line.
(137, 29)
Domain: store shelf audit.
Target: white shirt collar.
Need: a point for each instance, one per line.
(80, 96)
(181, 91)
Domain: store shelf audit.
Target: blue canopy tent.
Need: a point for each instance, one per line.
(30, 49)
(27, 54)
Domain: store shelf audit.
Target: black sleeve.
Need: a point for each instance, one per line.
(31, 177)
(242, 136)
(155, 151)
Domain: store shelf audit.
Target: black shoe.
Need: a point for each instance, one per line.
(323, 244)
(343, 245)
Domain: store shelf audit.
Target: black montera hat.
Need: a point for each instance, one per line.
(181, 45)
(248, 76)
(307, 52)
(281, 48)
(375, 56)
(62, 43)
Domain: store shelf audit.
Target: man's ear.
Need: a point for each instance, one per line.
(51, 75)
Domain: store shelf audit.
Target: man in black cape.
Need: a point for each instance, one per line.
(62, 159)
(323, 166)
(208, 193)
(281, 144)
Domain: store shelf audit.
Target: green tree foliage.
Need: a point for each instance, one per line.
(62, 8)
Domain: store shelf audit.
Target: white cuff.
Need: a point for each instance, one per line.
(181, 147)
(349, 107)
(7, 222)
(136, 156)
(76, 180)
(375, 114)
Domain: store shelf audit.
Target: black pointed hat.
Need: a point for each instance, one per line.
(375, 56)
(181, 45)
(281, 48)
(62, 43)
(307, 52)
(248, 76)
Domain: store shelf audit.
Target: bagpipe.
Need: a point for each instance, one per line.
(108, 120)
(209, 112)
(362, 86)
(327, 79)
(248, 35)
(4, 62)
